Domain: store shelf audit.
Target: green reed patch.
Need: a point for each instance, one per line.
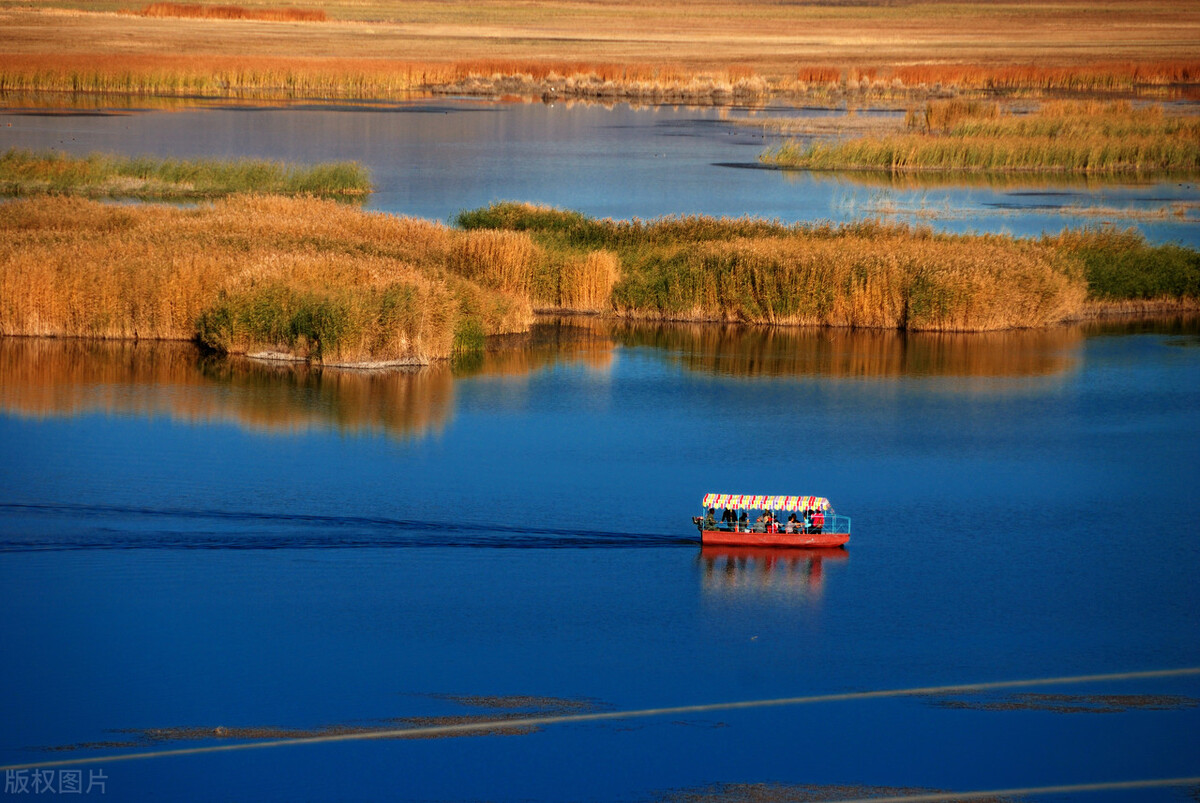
(469, 336)
(305, 324)
(27, 173)
(1122, 266)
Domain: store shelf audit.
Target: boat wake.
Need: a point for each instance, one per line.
(57, 527)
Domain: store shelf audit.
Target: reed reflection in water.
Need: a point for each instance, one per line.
(551, 342)
(54, 378)
(773, 352)
(41, 378)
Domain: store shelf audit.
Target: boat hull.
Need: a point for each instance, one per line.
(792, 540)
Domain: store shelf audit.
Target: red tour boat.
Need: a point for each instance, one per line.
(783, 521)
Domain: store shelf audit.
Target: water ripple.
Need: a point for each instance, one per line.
(91, 526)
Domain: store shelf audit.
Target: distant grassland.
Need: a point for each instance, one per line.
(311, 279)
(24, 173)
(720, 51)
(1058, 137)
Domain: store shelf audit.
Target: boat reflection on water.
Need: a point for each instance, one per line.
(754, 571)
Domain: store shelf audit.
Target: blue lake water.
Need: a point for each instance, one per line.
(189, 543)
(435, 158)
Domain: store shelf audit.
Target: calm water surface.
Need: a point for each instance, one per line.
(190, 543)
(435, 158)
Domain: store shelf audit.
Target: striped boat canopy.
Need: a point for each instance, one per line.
(752, 502)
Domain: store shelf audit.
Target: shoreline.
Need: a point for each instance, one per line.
(1097, 311)
(701, 90)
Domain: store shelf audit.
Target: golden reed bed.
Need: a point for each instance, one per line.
(298, 277)
(309, 279)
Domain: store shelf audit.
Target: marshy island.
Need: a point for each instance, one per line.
(313, 279)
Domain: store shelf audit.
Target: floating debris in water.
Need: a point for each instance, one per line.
(499, 710)
(796, 793)
(1072, 703)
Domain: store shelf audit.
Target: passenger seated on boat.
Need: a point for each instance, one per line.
(760, 525)
(743, 522)
(728, 519)
(772, 523)
(710, 521)
(818, 521)
(792, 524)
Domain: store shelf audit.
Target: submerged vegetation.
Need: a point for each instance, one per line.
(24, 173)
(302, 278)
(1086, 137)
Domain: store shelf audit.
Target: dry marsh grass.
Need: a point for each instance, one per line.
(893, 281)
(861, 275)
(230, 12)
(652, 81)
(1099, 76)
(502, 260)
(1064, 136)
(587, 281)
(304, 277)
(217, 76)
(360, 78)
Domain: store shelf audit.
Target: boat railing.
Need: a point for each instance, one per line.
(833, 524)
